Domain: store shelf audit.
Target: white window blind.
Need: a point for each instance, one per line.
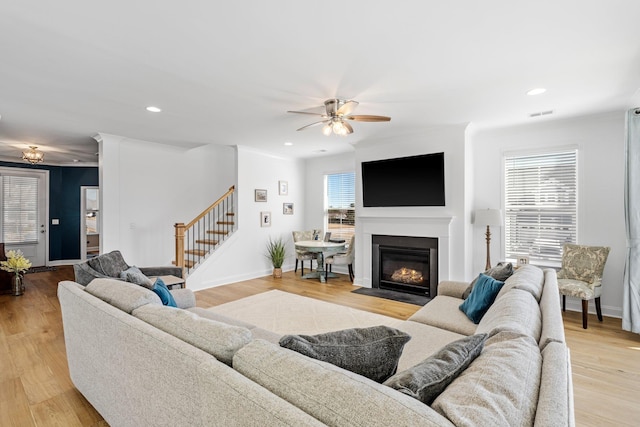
(540, 205)
(341, 202)
(19, 209)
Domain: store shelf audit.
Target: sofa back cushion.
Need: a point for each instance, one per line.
(328, 393)
(516, 311)
(220, 340)
(527, 277)
(499, 388)
(123, 295)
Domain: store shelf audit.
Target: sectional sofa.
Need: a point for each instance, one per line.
(140, 363)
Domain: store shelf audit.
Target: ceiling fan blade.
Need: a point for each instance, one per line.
(347, 108)
(306, 112)
(348, 127)
(367, 118)
(313, 124)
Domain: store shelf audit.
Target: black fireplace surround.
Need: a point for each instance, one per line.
(405, 264)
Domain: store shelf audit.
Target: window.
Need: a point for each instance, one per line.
(540, 205)
(19, 209)
(340, 212)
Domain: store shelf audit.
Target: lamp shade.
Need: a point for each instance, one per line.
(488, 217)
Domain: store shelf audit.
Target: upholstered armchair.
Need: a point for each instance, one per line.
(342, 259)
(110, 265)
(581, 276)
(302, 256)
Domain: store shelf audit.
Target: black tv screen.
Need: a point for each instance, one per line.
(404, 181)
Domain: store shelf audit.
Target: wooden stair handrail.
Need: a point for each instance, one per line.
(216, 203)
(181, 228)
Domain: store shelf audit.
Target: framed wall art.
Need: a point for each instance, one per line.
(283, 188)
(265, 219)
(260, 195)
(287, 208)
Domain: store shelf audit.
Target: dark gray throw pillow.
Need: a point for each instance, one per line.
(426, 380)
(501, 272)
(371, 352)
(134, 275)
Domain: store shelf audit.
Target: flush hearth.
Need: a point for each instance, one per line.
(405, 263)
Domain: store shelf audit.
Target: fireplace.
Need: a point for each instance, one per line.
(405, 263)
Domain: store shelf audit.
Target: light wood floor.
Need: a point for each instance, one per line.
(35, 389)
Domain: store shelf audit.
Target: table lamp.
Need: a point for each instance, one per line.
(488, 217)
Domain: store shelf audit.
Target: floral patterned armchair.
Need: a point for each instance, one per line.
(581, 276)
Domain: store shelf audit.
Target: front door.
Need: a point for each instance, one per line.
(23, 212)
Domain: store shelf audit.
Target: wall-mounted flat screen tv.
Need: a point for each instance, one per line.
(404, 181)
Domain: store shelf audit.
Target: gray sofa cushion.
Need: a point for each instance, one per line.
(134, 275)
(123, 295)
(110, 264)
(428, 379)
(443, 312)
(527, 277)
(516, 311)
(372, 352)
(220, 340)
(425, 340)
(332, 395)
(552, 326)
(499, 388)
(553, 404)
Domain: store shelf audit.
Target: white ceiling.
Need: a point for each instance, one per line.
(227, 72)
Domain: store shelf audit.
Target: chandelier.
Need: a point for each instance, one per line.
(33, 155)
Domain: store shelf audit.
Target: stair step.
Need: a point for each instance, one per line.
(225, 222)
(199, 252)
(231, 214)
(211, 242)
(189, 263)
(217, 232)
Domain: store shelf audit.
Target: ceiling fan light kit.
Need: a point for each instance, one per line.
(33, 155)
(338, 111)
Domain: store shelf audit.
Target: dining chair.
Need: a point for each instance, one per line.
(342, 259)
(302, 256)
(581, 276)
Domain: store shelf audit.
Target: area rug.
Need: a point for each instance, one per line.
(286, 313)
(40, 269)
(393, 295)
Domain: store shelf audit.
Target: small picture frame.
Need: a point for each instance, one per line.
(522, 260)
(287, 208)
(260, 195)
(265, 219)
(283, 188)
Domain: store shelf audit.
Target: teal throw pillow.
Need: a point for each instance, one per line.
(163, 292)
(481, 297)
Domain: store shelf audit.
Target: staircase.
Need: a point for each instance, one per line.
(199, 238)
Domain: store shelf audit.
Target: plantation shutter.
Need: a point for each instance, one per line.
(19, 209)
(540, 205)
(341, 202)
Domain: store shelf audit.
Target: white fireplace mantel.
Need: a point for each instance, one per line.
(405, 225)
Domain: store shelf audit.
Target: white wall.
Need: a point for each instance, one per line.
(243, 256)
(147, 187)
(600, 143)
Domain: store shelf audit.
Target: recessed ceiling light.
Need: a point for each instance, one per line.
(288, 144)
(153, 109)
(536, 91)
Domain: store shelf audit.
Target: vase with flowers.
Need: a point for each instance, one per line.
(17, 264)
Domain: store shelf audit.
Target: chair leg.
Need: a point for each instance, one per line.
(302, 267)
(598, 309)
(564, 303)
(585, 312)
(351, 275)
(296, 270)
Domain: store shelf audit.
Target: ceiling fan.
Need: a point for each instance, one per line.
(338, 112)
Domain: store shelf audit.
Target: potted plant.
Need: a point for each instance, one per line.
(276, 252)
(17, 264)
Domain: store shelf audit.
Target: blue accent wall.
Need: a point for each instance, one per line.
(64, 204)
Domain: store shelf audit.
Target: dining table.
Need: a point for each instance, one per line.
(323, 249)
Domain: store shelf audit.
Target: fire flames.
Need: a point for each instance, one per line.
(407, 275)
